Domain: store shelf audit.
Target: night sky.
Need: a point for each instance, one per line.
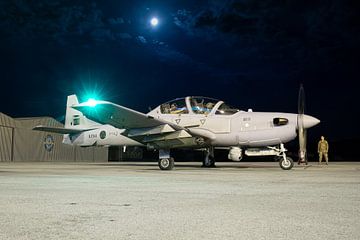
(251, 54)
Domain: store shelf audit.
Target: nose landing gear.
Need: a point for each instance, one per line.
(209, 159)
(285, 162)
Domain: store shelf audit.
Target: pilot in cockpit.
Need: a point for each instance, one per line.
(209, 106)
(173, 108)
(198, 107)
(165, 108)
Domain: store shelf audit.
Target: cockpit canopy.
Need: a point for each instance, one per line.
(197, 105)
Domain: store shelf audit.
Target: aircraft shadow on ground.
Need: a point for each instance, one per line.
(187, 166)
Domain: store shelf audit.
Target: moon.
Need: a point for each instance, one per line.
(154, 21)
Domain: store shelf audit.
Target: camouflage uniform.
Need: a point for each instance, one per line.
(323, 148)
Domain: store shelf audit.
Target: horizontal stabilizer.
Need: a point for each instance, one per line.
(168, 136)
(60, 130)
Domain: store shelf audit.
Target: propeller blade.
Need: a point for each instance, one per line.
(301, 129)
(302, 140)
(301, 100)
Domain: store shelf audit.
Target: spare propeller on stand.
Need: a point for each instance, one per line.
(301, 127)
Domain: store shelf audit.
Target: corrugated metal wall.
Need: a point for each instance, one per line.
(5, 143)
(7, 126)
(18, 142)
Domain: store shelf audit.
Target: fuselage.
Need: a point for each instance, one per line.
(218, 125)
(248, 129)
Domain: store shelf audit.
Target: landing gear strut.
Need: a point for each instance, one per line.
(165, 161)
(285, 162)
(209, 159)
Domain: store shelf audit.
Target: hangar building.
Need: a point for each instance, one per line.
(18, 142)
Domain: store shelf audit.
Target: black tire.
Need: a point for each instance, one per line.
(166, 163)
(288, 165)
(210, 163)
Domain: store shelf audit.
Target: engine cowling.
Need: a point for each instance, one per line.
(235, 154)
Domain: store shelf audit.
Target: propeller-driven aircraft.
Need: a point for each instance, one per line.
(191, 122)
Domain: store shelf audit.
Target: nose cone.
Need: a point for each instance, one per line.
(310, 121)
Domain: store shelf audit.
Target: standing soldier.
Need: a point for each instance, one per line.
(323, 148)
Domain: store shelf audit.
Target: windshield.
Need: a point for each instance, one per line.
(225, 109)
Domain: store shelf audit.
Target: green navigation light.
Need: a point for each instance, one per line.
(91, 102)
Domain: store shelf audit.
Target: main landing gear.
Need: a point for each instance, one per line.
(165, 161)
(209, 159)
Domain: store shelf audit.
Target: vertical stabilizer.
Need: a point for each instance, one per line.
(74, 118)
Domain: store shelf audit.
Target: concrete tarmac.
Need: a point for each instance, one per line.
(131, 200)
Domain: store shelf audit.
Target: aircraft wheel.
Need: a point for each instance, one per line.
(286, 165)
(209, 162)
(166, 163)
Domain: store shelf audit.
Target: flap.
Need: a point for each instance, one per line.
(168, 136)
(150, 131)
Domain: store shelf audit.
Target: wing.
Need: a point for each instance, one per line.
(118, 116)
